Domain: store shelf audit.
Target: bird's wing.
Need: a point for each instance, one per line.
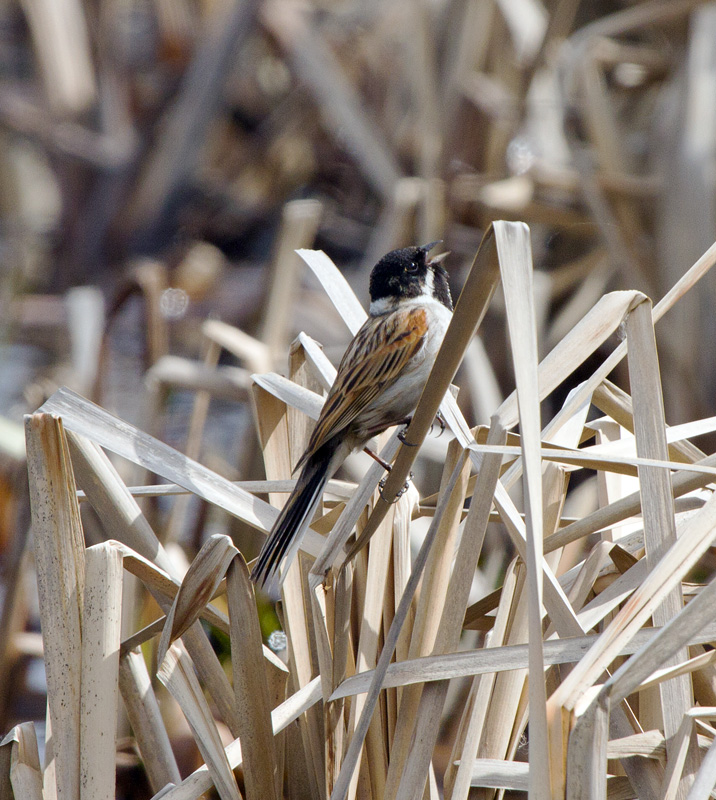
(373, 361)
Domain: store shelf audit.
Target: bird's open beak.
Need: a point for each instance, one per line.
(426, 248)
(439, 258)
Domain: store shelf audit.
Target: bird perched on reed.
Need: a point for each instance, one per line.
(378, 384)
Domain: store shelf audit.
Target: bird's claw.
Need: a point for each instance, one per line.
(440, 419)
(399, 494)
(401, 436)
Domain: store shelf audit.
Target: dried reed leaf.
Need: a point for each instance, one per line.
(177, 674)
(500, 711)
(333, 714)
(323, 369)
(212, 674)
(290, 393)
(437, 579)
(273, 433)
(674, 434)
(25, 770)
(695, 536)
(448, 631)
(375, 586)
(200, 583)
(655, 485)
(665, 644)
(205, 660)
(683, 482)
(398, 577)
(311, 542)
(336, 287)
(255, 354)
(410, 761)
(476, 714)
(658, 514)
(194, 786)
(339, 488)
(589, 333)
(110, 498)
(145, 718)
(375, 583)
(613, 596)
(59, 557)
(557, 604)
(101, 628)
(355, 746)
(588, 459)
(617, 404)
(340, 640)
(684, 668)
(515, 256)
(588, 573)
(650, 744)
(251, 691)
(687, 281)
(495, 774)
(677, 761)
(558, 607)
(496, 659)
(705, 778)
(586, 774)
(106, 430)
(322, 639)
(163, 588)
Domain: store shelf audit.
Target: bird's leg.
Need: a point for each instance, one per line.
(383, 463)
(387, 467)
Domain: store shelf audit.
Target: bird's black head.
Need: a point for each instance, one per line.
(407, 274)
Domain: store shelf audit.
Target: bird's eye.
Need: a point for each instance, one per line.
(413, 266)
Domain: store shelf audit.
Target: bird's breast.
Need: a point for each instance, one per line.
(399, 400)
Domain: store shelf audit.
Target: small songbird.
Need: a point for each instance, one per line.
(378, 384)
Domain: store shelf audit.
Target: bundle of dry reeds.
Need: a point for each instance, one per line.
(598, 672)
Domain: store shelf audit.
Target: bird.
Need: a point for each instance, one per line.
(378, 384)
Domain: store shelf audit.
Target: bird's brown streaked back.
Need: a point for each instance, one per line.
(361, 379)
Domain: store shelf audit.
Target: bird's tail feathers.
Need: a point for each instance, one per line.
(282, 543)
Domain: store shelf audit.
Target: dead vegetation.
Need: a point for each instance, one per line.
(535, 613)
